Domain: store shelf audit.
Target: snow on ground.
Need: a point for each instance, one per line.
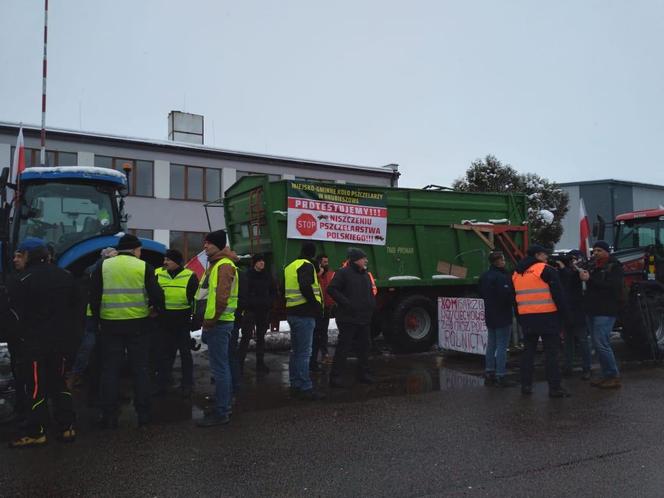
(280, 340)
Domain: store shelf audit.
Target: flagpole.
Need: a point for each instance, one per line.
(42, 152)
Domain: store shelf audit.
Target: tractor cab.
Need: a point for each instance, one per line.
(77, 210)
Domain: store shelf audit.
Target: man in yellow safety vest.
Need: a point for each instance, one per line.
(179, 285)
(123, 293)
(217, 300)
(304, 303)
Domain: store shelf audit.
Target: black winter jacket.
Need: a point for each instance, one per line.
(498, 293)
(261, 290)
(545, 323)
(351, 290)
(604, 291)
(43, 297)
(573, 288)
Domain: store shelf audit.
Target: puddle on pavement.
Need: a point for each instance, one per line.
(394, 375)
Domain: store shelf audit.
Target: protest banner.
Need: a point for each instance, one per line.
(461, 325)
(336, 213)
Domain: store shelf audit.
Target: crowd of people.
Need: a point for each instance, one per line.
(142, 317)
(572, 300)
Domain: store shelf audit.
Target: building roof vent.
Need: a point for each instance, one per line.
(185, 127)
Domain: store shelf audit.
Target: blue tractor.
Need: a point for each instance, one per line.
(77, 210)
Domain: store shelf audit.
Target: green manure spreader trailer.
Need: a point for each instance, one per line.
(422, 244)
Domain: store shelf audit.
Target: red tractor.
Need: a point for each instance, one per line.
(639, 245)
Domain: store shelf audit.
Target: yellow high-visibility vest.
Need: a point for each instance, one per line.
(124, 296)
(228, 314)
(294, 296)
(175, 288)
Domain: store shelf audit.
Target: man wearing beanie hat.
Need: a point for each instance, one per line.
(260, 292)
(541, 309)
(123, 294)
(351, 289)
(217, 300)
(602, 301)
(304, 303)
(44, 300)
(179, 285)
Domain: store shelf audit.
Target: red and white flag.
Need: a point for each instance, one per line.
(18, 165)
(198, 264)
(584, 230)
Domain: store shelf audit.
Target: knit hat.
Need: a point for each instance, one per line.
(536, 249)
(175, 256)
(256, 258)
(30, 243)
(308, 250)
(218, 238)
(354, 254)
(128, 242)
(602, 245)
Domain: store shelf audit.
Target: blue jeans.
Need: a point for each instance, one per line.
(600, 330)
(302, 333)
(87, 345)
(496, 350)
(218, 340)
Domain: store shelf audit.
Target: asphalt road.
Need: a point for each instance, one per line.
(420, 431)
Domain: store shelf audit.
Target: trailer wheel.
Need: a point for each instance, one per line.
(643, 320)
(413, 324)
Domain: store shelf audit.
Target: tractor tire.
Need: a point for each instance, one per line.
(413, 326)
(643, 320)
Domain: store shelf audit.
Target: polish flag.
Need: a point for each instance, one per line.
(584, 230)
(198, 264)
(18, 165)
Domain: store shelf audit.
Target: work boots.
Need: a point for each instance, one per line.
(29, 441)
(611, 383)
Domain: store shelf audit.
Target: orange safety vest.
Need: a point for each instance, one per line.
(374, 289)
(533, 294)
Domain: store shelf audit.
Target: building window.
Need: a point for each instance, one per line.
(53, 157)
(142, 233)
(242, 174)
(194, 183)
(141, 179)
(188, 243)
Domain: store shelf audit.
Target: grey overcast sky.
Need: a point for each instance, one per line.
(570, 89)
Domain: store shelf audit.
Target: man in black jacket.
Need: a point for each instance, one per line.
(44, 300)
(496, 289)
(602, 304)
(577, 329)
(123, 293)
(541, 309)
(260, 294)
(351, 290)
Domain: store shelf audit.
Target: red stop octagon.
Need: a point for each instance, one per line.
(306, 224)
